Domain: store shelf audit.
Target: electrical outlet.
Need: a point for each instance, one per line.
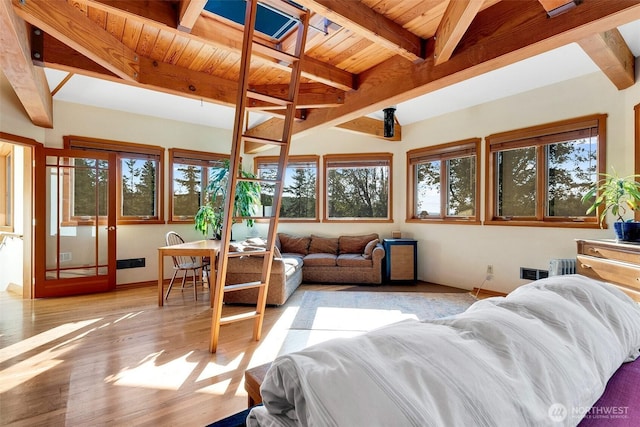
(489, 270)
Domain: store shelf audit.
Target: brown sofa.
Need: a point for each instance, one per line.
(312, 259)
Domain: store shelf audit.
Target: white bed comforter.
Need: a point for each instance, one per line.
(541, 356)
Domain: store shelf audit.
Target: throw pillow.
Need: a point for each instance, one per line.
(293, 244)
(323, 245)
(355, 244)
(368, 250)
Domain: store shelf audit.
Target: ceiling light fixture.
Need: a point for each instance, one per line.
(389, 121)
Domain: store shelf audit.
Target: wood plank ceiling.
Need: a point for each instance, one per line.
(361, 56)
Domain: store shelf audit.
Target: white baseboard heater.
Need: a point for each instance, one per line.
(562, 266)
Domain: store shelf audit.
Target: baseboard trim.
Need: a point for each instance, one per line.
(488, 292)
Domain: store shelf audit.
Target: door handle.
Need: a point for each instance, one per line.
(110, 228)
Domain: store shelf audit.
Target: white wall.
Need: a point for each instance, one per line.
(454, 255)
(457, 255)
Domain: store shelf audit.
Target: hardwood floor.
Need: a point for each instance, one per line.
(119, 359)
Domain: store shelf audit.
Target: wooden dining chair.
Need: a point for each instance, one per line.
(186, 264)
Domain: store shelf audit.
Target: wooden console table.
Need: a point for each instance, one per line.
(611, 261)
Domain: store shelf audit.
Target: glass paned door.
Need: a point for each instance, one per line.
(75, 223)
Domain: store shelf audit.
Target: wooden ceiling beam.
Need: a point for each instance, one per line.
(70, 26)
(366, 22)
(217, 33)
(175, 80)
(454, 24)
(370, 127)
(210, 29)
(189, 13)
(557, 7)
(611, 53)
(28, 82)
(550, 5)
(501, 35)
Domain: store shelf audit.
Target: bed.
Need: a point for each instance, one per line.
(541, 356)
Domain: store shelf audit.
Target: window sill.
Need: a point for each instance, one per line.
(557, 224)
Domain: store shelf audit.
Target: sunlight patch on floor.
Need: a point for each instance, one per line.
(151, 374)
(171, 375)
(213, 369)
(220, 388)
(28, 369)
(272, 344)
(43, 338)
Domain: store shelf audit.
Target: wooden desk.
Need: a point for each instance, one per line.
(200, 248)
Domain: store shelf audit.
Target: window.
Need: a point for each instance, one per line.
(269, 20)
(537, 176)
(299, 194)
(189, 173)
(6, 185)
(444, 182)
(139, 172)
(357, 187)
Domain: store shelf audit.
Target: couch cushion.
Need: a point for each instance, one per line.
(353, 260)
(355, 244)
(319, 260)
(368, 250)
(291, 264)
(293, 244)
(323, 245)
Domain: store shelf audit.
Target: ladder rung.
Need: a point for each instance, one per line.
(259, 140)
(242, 286)
(239, 317)
(268, 98)
(283, 57)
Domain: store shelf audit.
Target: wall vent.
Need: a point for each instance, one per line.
(533, 273)
(130, 263)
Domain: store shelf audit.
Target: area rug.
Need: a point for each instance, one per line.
(364, 311)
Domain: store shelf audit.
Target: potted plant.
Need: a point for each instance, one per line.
(617, 195)
(210, 216)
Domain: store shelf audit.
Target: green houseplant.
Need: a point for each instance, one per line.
(616, 195)
(210, 216)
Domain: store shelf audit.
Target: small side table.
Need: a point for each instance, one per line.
(401, 260)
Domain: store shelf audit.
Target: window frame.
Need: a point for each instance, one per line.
(7, 171)
(257, 161)
(195, 158)
(540, 137)
(356, 158)
(443, 152)
(126, 150)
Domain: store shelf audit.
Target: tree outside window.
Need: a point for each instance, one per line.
(300, 189)
(190, 171)
(139, 174)
(538, 175)
(444, 182)
(357, 187)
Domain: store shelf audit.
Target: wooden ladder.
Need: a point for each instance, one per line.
(250, 46)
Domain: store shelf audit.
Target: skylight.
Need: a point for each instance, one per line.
(269, 21)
